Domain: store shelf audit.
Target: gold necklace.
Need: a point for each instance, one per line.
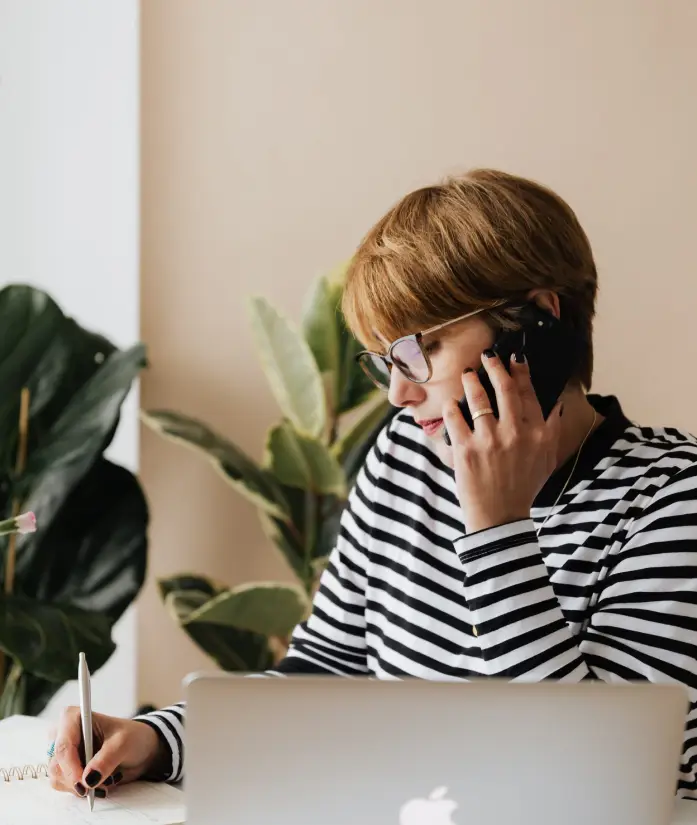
(578, 455)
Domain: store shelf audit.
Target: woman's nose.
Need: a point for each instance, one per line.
(403, 392)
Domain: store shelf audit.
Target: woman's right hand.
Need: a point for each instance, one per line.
(124, 750)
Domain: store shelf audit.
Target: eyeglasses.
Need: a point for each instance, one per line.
(408, 355)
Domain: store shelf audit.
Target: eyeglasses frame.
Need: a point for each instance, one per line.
(417, 338)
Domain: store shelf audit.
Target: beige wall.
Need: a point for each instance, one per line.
(275, 133)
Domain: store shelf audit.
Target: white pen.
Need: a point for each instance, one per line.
(83, 678)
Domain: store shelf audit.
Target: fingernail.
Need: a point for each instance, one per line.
(93, 778)
(118, 776)
(519, 358)
(80, 789)
(465, 371)
(489, 353)
(100, 793)
(561, 411)
(108, 781)
(446, 438)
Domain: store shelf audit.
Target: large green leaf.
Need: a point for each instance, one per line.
(79, 434)
(93, 553)
(72, 359)
(236, 467)
(74, 356)
(290, 368)
(30, 322)
(321, 325)
(267, 608)
(230, 648)
(299, 461)
(45, 639)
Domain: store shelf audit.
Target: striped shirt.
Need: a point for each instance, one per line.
(607, 590)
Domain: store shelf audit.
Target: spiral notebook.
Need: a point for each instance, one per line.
(27, 798)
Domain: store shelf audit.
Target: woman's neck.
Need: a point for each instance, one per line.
(576, 423)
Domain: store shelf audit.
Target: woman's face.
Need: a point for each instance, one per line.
(451, 350)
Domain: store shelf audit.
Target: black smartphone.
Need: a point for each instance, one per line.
(551, 350)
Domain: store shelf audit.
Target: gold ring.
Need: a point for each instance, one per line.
(487, 411)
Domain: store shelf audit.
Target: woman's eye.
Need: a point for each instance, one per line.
(432, 346)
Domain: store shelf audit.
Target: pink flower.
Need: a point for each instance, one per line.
(26, 523)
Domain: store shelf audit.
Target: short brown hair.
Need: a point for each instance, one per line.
(460, 245)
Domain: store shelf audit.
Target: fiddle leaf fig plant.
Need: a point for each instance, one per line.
(63, 586)
(331, 415)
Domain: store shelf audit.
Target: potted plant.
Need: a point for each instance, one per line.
(311, 459)
(63, 586)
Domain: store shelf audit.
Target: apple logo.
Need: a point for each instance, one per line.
(436, 810)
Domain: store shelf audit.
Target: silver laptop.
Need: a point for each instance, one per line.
(329, 751)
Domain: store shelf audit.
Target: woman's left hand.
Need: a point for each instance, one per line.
(501, 466)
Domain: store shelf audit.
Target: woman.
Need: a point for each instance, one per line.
(535, 547)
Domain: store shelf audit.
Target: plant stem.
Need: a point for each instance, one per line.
(20, 464)
(19, 470)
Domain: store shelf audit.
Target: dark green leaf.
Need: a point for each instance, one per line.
(46, 639)
(77, 438)
(238, 469)
(71, 360)
(93, 553)
(231, 649)
(267, 608)
(30, 321)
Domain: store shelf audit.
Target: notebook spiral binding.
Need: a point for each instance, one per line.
(25, 772)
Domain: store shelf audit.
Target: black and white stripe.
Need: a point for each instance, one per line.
(606, 591)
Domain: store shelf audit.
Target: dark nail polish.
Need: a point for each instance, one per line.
(118, 776)
(108, 781)
(519, 358)
(100, 793)
(446, 438)
(468, 369)
(93, 778)
(489, 353)
(80, 789)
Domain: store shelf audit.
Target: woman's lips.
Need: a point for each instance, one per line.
(431, 426)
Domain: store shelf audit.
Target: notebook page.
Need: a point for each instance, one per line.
(33, 801)
(23, 741)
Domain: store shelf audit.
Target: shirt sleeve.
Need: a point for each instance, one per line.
(642, 620)
(168, 724)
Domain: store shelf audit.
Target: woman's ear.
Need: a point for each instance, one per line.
(546, 299)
